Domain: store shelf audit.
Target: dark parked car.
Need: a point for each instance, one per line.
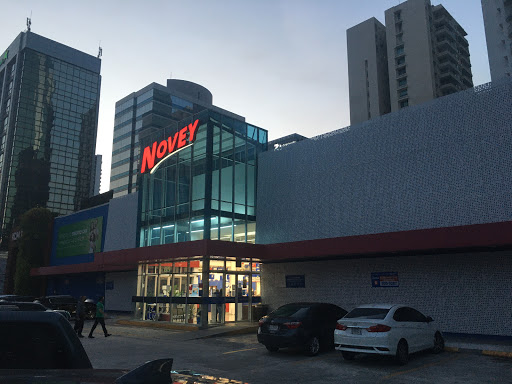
(68, 303)
(29, 306)
(16, 298)
(304, 325)
(42, 347)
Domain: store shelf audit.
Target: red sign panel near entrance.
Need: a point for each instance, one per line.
(166, 148)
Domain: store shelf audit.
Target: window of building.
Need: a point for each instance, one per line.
(399, 50)
(398, 27)
(404, 103)
(399, 38)
(402, 93)
(401, 71)
(400, 61)
(398, 15)
(402, 82)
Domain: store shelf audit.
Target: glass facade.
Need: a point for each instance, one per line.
(207, 190)
(48, 135)
(204, 190)
(172, 291)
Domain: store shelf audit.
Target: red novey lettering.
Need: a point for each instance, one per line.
(170, 145)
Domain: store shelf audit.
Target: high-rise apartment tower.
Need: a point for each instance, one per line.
(368, 79)
(498, 33)
(427, 57)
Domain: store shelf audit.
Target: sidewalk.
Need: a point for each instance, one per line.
(191, 331)
(500, 346)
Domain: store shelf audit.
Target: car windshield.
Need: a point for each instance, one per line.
(298, 311)
(367, 313)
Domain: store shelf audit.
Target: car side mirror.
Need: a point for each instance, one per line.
(429, 319)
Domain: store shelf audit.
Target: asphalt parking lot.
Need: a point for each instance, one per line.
(242, 358)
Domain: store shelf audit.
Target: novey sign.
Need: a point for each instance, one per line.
(182, 139)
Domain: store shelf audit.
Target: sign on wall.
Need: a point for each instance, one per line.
(295, 281)
(80, 238)
(385, 279)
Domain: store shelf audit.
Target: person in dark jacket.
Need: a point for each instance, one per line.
(80, 316)
(100, 318)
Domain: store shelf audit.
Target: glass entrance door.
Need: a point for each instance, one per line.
(242, 302)
(231, 293)
(216, 308)
(237, 297)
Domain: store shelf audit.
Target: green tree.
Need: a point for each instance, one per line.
(34, 247)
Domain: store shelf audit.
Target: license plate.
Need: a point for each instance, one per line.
(356, 331)
(273, 328)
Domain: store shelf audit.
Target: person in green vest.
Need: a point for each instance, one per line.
(100, 318)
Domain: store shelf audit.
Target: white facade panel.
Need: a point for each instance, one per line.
(122, 223)
(119, 289)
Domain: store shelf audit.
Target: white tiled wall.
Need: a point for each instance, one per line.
(465, 293)
(439, 164)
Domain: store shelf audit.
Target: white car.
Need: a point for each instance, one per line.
(386, 329)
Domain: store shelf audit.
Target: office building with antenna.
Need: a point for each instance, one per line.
(49, 101)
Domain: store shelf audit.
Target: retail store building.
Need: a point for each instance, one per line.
(194, 166)
(413, 207)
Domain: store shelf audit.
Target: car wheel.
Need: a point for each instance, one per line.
(402, 352)
(438, 343)
(347, 355)
(312, 346)
(271, 348)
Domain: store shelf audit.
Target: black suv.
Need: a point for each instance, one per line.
(309, 326)
(68, 303)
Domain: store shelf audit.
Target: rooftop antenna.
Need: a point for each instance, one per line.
(29, 22)
(100, 51)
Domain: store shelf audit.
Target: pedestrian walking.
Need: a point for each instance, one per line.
(100, 318)
(80, 316)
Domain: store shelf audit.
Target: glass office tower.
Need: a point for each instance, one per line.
(154, 106)
(49, 99)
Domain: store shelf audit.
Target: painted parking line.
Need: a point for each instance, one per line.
(449, 359)
(240, 350)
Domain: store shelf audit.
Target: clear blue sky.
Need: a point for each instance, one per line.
(280, 63)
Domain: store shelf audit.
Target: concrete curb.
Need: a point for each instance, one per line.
(212, 332)
(479, 352)
(497, 353)
(155, 324)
